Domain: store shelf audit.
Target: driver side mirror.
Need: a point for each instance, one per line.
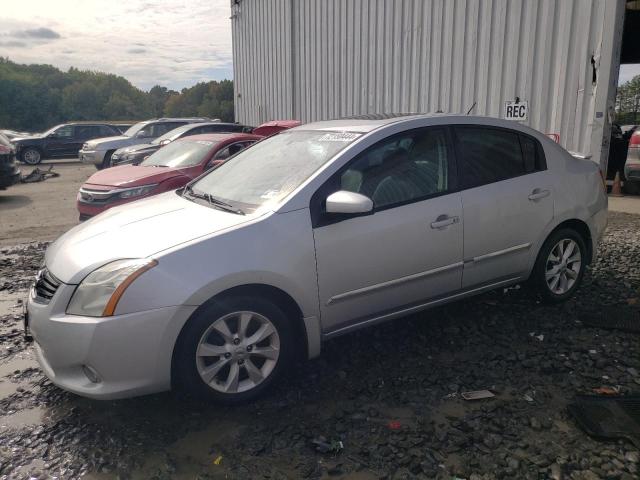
(142, 134)
(344, 201)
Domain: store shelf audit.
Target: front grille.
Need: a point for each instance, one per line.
(46, 286)
(96, 197)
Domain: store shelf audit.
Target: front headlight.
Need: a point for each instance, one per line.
(136, 191)
(99, 293)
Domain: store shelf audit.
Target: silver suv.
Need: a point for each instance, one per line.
(99, 151)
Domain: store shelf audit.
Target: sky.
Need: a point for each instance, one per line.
(174, 43)
(627, 72)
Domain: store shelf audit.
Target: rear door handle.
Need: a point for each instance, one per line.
(444, 221)
(538, 194)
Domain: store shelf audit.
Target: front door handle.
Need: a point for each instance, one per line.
(444, 221)
(538, 194)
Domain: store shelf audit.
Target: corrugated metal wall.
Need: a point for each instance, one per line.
(322, 59)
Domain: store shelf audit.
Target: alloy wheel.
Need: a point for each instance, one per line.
(31, 156)
(563, 266)
(237, 352)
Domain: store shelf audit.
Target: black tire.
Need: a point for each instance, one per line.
(632, 188)
(539, 275)
(31, 156)
(185, 368)
(106, 161)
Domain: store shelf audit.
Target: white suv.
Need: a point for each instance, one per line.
(309, 234)
(99, 151)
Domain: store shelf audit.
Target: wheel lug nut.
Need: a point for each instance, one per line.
(249, 348)
(236, 341)
(227, 355)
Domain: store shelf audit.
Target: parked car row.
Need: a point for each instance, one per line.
(305, 235)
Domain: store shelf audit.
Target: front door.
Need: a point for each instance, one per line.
(507, 200)
(61, 143)
(409, 249)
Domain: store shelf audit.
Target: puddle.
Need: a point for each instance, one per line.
(27, 416)
(7, 388)
(9, 302)
(16, 363)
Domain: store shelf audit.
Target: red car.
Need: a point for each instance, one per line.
(167, 169)
(274, 126)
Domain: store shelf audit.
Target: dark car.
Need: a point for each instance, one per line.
(9, 173)
(136, 153)
(61, 141)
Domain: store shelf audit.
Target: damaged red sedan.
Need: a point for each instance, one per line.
(169, 168)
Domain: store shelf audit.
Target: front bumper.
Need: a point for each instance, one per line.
(130, 354)
(94, 157)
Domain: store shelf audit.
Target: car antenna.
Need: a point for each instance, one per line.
(469, 111)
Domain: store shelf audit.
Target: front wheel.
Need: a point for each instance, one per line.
(31, 156)
(560, 265)
(233, 349)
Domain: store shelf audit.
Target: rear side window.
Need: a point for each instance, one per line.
(489, 155)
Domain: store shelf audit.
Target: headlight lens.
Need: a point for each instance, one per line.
(136, 191)
(99, 293)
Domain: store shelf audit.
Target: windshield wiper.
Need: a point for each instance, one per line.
(214, 202)
(224, 206)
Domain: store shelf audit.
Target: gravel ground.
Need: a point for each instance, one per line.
(390, 394)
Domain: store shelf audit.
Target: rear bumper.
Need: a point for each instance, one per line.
(8, 178)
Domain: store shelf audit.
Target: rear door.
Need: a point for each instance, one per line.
(507, 199)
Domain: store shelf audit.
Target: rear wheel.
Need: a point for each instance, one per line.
(560, 265)
(233, 349)
(31, 156)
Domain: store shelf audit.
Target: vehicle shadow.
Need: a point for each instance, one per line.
(8, 201)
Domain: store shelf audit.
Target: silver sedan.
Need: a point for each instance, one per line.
(309, 234)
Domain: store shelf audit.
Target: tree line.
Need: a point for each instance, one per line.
(37, 97)
(628, 102)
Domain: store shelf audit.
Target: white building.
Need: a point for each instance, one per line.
(552, 64)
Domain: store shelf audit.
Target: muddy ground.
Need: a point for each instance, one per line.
(42, 211)
(390, 394)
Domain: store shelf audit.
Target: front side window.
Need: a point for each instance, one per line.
(158, 129)
(64, 132)
(489, 155)
(406, 167)
(273, 168)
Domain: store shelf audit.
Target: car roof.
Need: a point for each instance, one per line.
(368, 123)
(220, 137)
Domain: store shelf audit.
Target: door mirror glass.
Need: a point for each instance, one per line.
(344, 201)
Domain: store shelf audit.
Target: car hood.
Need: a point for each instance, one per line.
(136, 148)
(30, 138)
(137, 230)
(110, 142)
(131, 176)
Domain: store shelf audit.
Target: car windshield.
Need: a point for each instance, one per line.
(180, 154)
(172, 134)
(273, 168)
(132, 130)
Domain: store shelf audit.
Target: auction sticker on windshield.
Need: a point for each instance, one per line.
(339, 137)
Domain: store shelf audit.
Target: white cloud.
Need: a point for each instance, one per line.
(175, 43)
(627, 72)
